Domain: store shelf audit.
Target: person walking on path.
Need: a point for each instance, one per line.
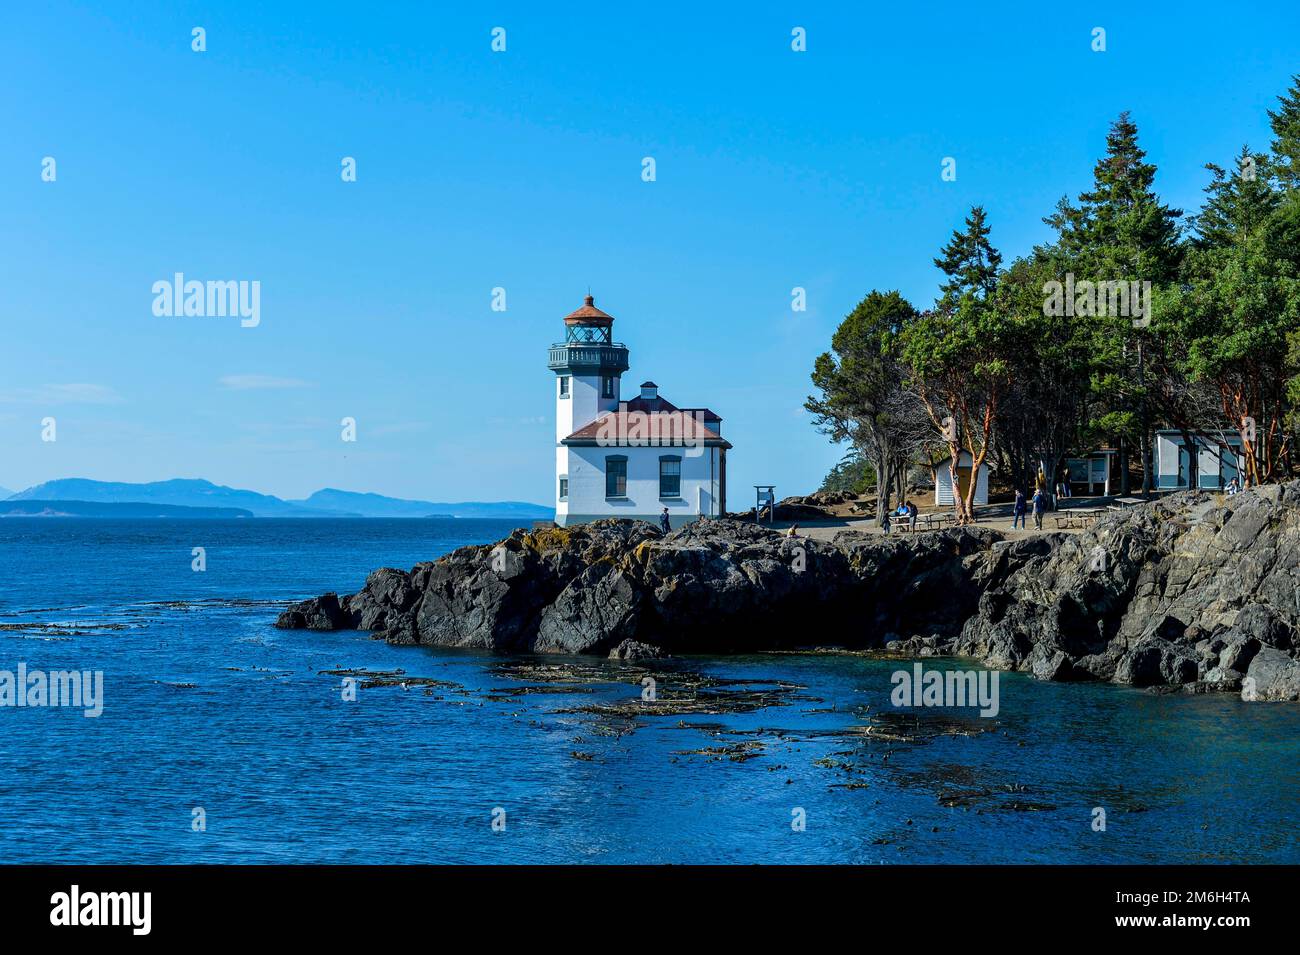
(1019, 510)
(1040, 505)
(664, 524)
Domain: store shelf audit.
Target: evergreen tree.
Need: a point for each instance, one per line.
(863, 399)
(1285, 121)
(1039, 419)
(961, 354)
(1236, 203)
(970, 263)
(1231, 322)
(1120, 231)
(854, 475)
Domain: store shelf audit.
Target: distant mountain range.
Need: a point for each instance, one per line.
(329, 502)
(130, 509)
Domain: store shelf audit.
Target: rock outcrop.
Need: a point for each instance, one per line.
(1193, 591)
(1186, 591)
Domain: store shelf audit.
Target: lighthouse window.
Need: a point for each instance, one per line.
(564, 488)
(670, 476)
(616, 476)
(564, 386)
(607, 387)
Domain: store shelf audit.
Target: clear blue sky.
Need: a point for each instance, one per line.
(523, 170)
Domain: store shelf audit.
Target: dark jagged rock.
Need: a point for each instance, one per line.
(729, 586)
(1155, 662)
(387, 595)
(1190, 592)
(1272, 676)
(814, 507)
(597, 609)
(318, 613)
(632, 650)
(925, 583)
(1179, 592)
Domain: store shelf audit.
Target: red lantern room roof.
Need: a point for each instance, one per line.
(589, 314)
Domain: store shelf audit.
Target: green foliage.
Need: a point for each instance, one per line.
(1120, 230)
(961, 347)
(857, 380)
(853, 474)
(1285, 121)
(1220, 342)
(962, 354)
(1232, 321)
(862, 398)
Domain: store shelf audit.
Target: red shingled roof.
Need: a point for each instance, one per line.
(589, 314)
(633, 428)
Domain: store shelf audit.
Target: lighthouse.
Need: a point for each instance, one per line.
(633, 459)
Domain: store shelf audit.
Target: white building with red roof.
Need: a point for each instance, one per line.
(617, 458)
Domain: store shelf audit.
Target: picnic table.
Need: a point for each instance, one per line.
(937, 521)
(1077, 518)
(924, 522)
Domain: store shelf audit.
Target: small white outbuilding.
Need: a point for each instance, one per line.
(943, 481)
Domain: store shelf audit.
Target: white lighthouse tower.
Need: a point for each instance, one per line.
(588, 366)
(632, 459)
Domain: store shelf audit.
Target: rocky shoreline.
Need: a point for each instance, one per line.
(1192, 593)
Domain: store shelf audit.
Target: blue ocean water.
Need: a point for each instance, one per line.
(207, 706)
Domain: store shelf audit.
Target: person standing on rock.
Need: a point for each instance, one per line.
(1018, 511)
(1040, 505)
(664, 524)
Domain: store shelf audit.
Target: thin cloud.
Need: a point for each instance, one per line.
(82, 393)
(259, 382)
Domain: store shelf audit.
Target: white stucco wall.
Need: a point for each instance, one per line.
(585, 467)
(583, 405)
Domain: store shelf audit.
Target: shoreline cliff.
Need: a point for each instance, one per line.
(1192, 592)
